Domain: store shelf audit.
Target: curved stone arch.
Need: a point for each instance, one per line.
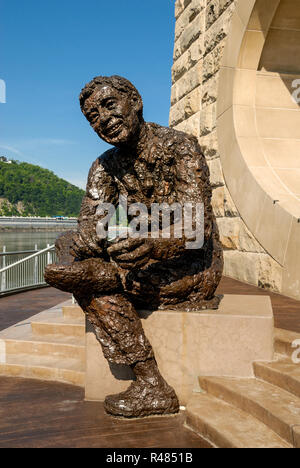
(266, 204)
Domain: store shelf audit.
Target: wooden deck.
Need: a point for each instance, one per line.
(47, 414)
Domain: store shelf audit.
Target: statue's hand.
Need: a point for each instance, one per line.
(131, 253)
(84, 246)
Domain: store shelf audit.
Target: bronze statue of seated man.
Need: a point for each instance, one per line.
(148, 164)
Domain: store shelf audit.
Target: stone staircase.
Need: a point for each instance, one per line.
(262, 412)
(48, 346)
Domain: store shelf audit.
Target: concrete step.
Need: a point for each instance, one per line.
(51, 368)
(228, 427)
(48, 346)
(282, 373)
(284, 341)
(57, 324)
(73, 311)
(22, 340)
(57, 313)
(273, 406)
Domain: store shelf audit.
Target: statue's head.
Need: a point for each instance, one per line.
(114, 108)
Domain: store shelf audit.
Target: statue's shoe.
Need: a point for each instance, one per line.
(143, 399)
(91, 276)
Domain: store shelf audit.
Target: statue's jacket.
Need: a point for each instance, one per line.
(170, 169)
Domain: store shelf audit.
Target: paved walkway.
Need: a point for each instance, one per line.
(19, 307)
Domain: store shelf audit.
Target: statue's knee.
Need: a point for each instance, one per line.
(56, 276)
(90, 276)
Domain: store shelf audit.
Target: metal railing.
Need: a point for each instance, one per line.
(36, 220)
(25, 269)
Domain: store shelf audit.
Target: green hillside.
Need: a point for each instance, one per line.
(29, 190)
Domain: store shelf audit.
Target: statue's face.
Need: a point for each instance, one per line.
(113, 115)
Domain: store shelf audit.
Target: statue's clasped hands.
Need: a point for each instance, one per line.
(130, 253)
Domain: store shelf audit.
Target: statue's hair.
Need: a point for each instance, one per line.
(118, 82)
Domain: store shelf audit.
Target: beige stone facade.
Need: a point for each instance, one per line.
(236, 87)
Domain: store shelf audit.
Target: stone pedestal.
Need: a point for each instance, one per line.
(222, 342)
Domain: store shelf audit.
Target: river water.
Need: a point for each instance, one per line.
(16, 241)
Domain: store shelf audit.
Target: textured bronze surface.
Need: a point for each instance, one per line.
(110, 280)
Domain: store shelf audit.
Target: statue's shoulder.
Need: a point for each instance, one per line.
(101, 164)
(99, 172)
(175, 139)
(103, 159)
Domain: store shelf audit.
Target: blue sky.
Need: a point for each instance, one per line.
(50, 49)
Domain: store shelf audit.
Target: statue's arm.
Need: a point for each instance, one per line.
(100, 189)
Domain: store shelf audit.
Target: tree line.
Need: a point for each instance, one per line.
(39, 190)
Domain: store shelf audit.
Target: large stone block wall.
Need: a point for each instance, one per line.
(201, 31)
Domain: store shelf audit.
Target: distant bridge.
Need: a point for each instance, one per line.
(11, 221)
